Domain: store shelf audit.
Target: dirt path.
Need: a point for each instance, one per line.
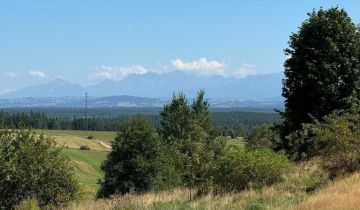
(105, 145)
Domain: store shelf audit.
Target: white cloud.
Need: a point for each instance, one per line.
(201, 66)
(10, 73)
(116, 72)
(38, 74)
(244, 71)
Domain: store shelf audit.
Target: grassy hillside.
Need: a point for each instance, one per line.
(86, 163)
(343, 193)
(75, 139)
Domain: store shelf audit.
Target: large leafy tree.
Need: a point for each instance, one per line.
(322, 69)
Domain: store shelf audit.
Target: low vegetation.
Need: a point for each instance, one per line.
(84, 147)
(341, 193)
(240, 168)
(288, 194)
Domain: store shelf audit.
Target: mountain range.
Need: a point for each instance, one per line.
(152, 85)
(152, 89)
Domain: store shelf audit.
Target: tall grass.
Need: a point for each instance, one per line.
(338, 195)
(299, 184)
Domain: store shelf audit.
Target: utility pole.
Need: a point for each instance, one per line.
(86, 114)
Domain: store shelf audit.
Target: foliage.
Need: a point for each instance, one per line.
(90, 137)
(134, 163)
(176, 120)
(188, 129)
(28, 204)
(31, 167)
(84, 147)
(336, 140)
(240, 168)
(322, 72)
(200, 112)
(263, 137)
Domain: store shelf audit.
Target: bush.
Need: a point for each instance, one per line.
(28, 204)
(90, 137)
(336, 140)
(31, 167)
(84, 147)
(240, 168)
(307, 176)
(262, 137)
(136, 162)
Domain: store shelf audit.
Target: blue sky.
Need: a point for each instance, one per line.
(86, 41)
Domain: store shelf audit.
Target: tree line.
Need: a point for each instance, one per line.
(227, 123)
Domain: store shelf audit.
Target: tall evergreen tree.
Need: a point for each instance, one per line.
(200, 111)
(188, 129)
(176, 119)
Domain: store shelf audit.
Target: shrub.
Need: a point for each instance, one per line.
(240, 168)
(136, 162)
(31, 167)
(28, 204)
(262, 137)
(90, 137)
(84, 147)
(336, 140)
(307, 176)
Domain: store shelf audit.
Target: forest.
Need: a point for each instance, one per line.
(229, 123)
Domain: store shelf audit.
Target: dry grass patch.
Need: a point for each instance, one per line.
(144, 201)
(341, 194)
(268, 198)
(76, 142)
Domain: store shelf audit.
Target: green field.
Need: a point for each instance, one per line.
(86, 163)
